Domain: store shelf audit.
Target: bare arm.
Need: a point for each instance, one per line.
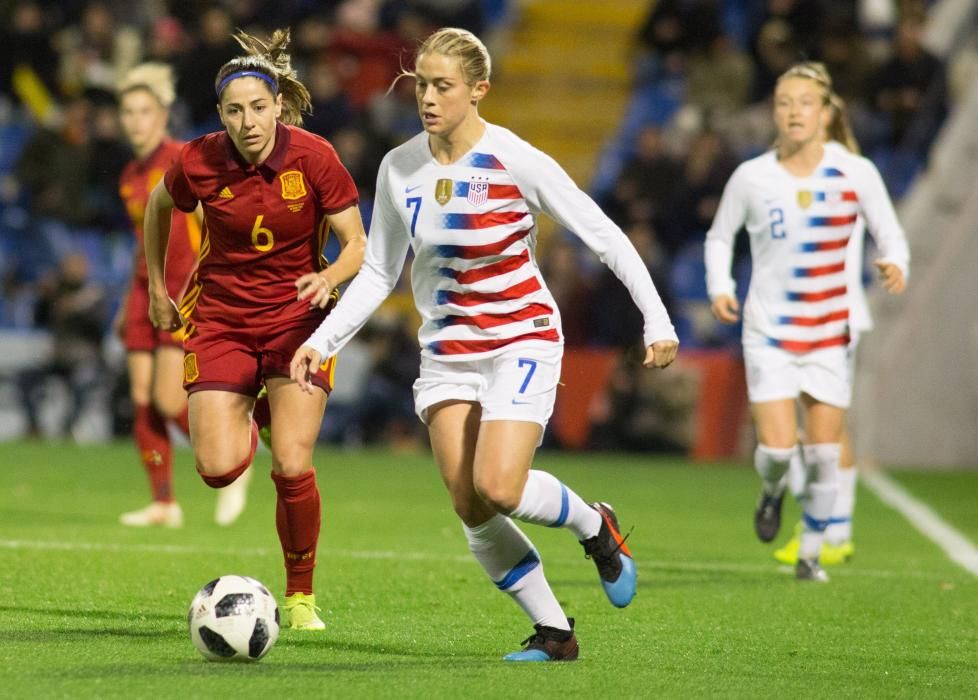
(317, 286)
(156, 235)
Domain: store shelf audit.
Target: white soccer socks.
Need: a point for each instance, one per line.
(839, 530)
(546, 501)
(819, 497)
(511, 561)
(771, 464)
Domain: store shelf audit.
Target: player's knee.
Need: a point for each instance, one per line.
(291, 458)
(498, 494)
(471, 509)
(219, 470)
(170, 407)
(220, 480)
(291, 467)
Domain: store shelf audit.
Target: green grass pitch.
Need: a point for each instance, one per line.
(91, 609)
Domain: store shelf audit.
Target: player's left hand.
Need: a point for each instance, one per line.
(164, 314)
(891, 276)
(305, 363)
(661, 353)
(316, 288)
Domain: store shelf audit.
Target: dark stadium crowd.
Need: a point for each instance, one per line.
(703, 71)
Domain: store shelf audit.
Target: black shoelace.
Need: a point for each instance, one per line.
(606, 560)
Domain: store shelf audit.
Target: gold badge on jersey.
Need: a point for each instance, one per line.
(805, 198)
(443, 191)
(293, 186)
(190, 370)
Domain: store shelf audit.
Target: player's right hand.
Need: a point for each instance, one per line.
(725, 309)
(305, 363)
(164, 314)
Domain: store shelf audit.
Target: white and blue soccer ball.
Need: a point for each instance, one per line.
(233, 618)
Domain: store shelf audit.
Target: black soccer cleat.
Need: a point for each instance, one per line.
(767, 516)
(548, 644)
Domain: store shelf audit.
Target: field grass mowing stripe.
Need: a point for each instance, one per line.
(660, 565)
(958, 548)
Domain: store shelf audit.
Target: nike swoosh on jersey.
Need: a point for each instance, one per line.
(411, 189)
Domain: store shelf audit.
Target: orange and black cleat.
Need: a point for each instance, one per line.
(611, 555)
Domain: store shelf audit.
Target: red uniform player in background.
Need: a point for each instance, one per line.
(270, 194)
(155, 357)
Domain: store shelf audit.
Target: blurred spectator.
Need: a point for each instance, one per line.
(310, 39)
(902, 83)
(620, 323)
(54, 167)
(167, 41)
(645, 410)
(647, 182)
(361, 152)
(719, 77)
(467, 14)
(96, 52)
(776, 48)
(672, 30)
(26, 41)
(380, 407)
(331, 108)
(198, 68)
(109, 157)
(396, 113)
(803, 20)
(708, 166)
(845, 56)
(365, 57)
(74, 310)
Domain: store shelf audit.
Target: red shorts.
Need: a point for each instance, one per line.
(140, 333)
(217, 357)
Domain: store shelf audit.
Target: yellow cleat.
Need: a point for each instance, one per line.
(835, 554)
(831, 554)
(301, 610)
(789, 553)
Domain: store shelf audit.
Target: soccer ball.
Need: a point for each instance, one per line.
(233, 618)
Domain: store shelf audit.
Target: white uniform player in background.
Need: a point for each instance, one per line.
(464, 195)
(801, 204)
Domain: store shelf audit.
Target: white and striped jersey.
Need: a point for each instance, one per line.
(800, 230)
(472, 227)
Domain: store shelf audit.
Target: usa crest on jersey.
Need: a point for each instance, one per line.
(478, 193)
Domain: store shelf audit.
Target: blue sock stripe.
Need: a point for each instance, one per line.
(813, 524)
(564, 508)
(525, 566)
(838, 521)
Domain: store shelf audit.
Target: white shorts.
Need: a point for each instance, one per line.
(774, 374)
(519, 384)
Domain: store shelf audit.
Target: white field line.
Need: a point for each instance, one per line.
(325, 553)
(957, 547)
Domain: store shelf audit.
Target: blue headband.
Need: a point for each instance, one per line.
(246, 74)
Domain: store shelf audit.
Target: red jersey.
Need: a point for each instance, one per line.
(264, 226)
(138, 179)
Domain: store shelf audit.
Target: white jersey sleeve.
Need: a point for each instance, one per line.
(547, 188)
(718, 249)
(387, 246)
(881, 218)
